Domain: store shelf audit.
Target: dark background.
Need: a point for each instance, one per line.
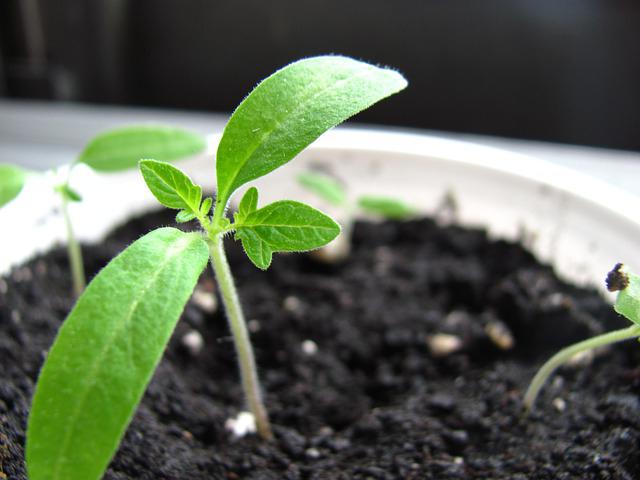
(556, 70)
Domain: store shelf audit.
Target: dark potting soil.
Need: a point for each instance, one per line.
(352, 374)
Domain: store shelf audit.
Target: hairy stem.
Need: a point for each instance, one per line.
(74, 252)
(238, 327)
(566, 353)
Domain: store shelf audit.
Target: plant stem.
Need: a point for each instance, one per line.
(74, 252)
(238, 327)
(566, 353)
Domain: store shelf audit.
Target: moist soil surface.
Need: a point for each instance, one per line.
(358, 377)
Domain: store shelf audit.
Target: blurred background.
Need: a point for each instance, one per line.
(563, 71)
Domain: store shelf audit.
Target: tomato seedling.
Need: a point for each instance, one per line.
(331, 190)
(111, 342)
(111, 151)
(627, 304)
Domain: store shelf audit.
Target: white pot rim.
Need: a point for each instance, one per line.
(548, 186)
(617, 200)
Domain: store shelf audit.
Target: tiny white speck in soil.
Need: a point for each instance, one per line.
(193, 342)
(558, 382)
(443, 344)
(309, 347)
(292, 304)
(556, 299)
(559, 404)
(312, 452)
(500, 335)
(253, 326)
(243, 424)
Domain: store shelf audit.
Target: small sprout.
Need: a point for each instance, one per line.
(325, 187)
(386, 207)
(334, 193)
(111, 342)
(68, 193)
(627, 304)
(111, 151)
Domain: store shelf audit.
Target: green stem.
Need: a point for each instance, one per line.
(566, 353)
(218, 212)
(74, 252)
(238, 327)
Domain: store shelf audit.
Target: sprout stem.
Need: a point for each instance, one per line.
(566, 353)
(74, 252)
(238, 327)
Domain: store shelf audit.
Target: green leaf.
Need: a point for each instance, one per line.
(290, 109)
(12, 180)
(248, 204)
(324, 186)
(628, 299)
(184, 216)
(386, 207)
(171, 186)
(284, 226)
(206, 206)
(122, 148)
(106, 352)
(68, 193)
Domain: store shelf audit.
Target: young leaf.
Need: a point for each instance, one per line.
(69, 193)
(324, 186)
(386, 207)
(122, 148)
(12, 180)
(248, 204)
(290, 109)
(628, 300)
(171, 186)
(284, 226)
(206, 206)
(184, 216)
(106, 352)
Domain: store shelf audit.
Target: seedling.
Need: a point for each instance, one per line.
(111, 342)
(112, 151)
(334, 192)
(627, 304)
